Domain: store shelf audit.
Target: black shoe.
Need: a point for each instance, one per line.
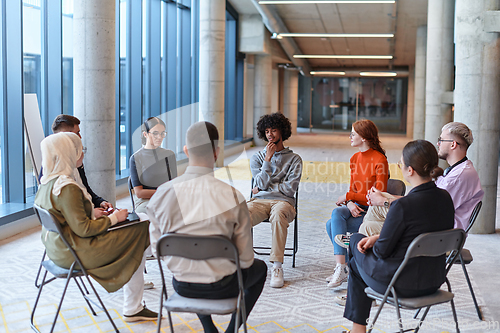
(144, 314)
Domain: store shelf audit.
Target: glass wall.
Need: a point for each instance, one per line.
(158, 76)
(67, 52)
(335, 103)
(233, 94)
(32, 73)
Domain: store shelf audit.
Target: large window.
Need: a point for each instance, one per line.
(233, 93)
(158, 76)
(335, 103)
(32, 68)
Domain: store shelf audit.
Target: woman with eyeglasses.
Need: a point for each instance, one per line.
(369, 168)
(151, 165)
(374, 259)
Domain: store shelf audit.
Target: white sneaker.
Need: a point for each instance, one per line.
(340, 276)
(329, 278)
(340, 300)
(277, 280)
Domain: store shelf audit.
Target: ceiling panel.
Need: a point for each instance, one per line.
(356, 18)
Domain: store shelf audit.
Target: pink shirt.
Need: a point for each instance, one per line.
(463, 184)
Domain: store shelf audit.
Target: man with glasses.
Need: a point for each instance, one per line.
(460, 179)
(67, 123)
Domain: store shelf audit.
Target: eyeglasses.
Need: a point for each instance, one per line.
(159, 134)
(443, 140)
(400, 164)
(84, 150)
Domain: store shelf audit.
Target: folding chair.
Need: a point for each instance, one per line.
(431, 244)
(132, 214)
(76, 270)
(295, 246)
(200, 248)
(465, 257)
(396, 187)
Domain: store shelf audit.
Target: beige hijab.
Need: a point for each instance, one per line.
(60, 152)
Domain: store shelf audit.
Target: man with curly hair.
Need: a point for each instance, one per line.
(276, 171)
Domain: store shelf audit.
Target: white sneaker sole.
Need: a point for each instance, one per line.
(338, 284)
(277, 284)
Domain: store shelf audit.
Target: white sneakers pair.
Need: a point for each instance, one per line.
(339, 276)
(277, 279)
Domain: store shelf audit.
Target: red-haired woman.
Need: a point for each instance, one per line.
(369, 168)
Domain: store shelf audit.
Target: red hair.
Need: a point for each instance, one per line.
(369, 131)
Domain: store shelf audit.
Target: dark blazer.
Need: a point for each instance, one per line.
(426, 208)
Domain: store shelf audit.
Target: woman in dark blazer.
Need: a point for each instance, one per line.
(375, 259)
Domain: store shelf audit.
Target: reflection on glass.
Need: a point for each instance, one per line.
(338, 102)
(123, 91)
(32, 36)
(1, 114)
(67, 61)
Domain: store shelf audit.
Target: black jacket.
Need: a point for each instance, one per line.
(426, 208)
(96, 200)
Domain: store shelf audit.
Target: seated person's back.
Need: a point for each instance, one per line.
(198, 204)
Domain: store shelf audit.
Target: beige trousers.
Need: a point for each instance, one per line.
(280, 214)
(374, 219)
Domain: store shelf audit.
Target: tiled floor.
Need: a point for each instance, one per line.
(305, 304)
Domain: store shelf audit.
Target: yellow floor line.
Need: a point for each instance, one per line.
(92, 318)
(4, 319)
(312, 172)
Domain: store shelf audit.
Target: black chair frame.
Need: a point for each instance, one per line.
(198, 248)
(76, 270)
(431, 244)
(465, 257)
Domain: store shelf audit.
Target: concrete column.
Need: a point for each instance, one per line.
(419, 104)
(262, 92)
(291, 97)
(477, 102)
(94, 90)
(212, 50)
(410, 105)
(439, 71)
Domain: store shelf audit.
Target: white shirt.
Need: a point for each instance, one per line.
(196, 203)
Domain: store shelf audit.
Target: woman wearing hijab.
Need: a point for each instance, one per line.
(114, 259)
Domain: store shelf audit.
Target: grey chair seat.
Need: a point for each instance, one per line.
(178, 303)
(60, 272)
(466, 256)
(438, 297)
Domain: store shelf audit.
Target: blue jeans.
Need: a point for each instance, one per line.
(342, 222)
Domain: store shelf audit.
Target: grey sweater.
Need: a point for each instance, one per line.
(278, 179)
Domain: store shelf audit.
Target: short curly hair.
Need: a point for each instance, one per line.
(277, 121)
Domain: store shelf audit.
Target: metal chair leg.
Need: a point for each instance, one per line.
(103, 306)
(470, 288)
(86, 300)
(40, 270)
(32, 324)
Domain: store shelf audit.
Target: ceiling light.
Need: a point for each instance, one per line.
(320, 56)
(326, 73)
(378, 73)
(321, 35)
(301, 2)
